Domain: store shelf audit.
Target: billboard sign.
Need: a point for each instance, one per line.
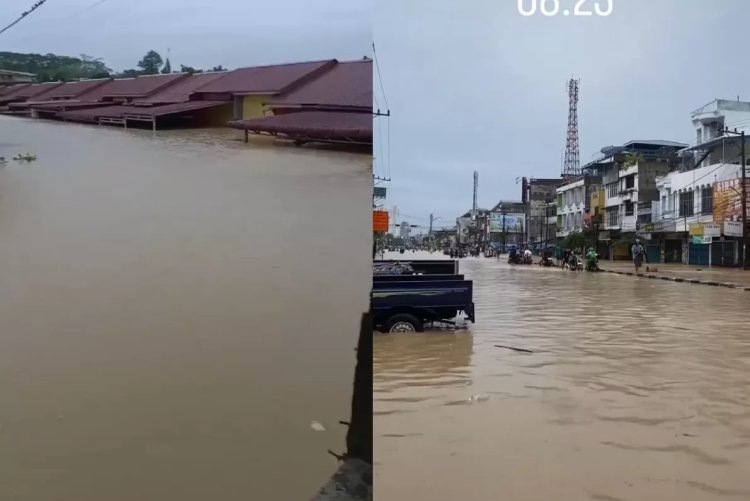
(727, 202)
(380, 221)
(511, 222)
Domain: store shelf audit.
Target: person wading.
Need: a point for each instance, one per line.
(639, 253)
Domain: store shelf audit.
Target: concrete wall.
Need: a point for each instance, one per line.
(252, 106)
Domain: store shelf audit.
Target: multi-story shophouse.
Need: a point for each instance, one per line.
(697, 216)
(627, 186)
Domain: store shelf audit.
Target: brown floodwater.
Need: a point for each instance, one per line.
(636, 390)
(175, 311)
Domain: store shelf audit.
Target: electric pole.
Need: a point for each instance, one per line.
(744, 200)
(743, 194)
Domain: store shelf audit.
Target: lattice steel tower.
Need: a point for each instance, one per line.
(572, 165)
(476, 187)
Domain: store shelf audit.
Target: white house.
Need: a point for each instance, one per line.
(573, 199)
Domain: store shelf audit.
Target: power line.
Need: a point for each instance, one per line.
(86, 9)
(26, 13)
(380, 78)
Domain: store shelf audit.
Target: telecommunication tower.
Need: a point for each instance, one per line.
(476, 187)
(572, 163)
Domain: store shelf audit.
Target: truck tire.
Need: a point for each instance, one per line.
(404, 322)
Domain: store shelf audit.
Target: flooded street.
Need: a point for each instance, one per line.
(636, 390)
(175, 311)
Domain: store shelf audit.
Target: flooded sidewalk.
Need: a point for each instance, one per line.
(715, 275)
(634, 390)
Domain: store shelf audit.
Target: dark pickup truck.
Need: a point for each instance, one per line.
(408, 294)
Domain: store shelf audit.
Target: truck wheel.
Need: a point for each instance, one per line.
(404, 322)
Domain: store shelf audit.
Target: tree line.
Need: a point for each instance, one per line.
(55, 68)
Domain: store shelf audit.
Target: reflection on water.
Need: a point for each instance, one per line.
(635, 390)
(175, 311)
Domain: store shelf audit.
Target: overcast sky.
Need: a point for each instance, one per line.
(200, 33)
(474, 85)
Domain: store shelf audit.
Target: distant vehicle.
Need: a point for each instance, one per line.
(432, 293)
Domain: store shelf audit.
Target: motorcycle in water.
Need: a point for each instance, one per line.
(592, 261)
(574, 263)
(546, 261)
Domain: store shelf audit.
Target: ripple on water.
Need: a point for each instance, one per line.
(624, 373)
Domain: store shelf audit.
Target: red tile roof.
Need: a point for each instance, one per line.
(139, 87)
(120, 111)
(346, 85)
(71, 90)
(314, 125)
(7, 89)
(93, 114)
(172, 108)
(182, 90)
(28, 91)
(265, 79)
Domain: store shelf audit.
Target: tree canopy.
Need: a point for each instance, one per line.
(151, 63)
(53, 68)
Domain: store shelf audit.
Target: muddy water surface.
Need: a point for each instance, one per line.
(175, 311)
(636, 390)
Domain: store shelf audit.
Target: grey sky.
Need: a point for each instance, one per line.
(200, 33)
(474, 85)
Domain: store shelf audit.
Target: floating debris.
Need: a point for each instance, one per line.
(522, 350)
(28, 157)
(317, 426)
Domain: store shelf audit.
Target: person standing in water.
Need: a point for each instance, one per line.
(638, 254)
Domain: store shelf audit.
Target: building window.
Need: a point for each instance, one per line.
(629, 211)
(707, 201)
(612, 216)
(686, 204)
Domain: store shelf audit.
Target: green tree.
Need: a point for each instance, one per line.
(632, 159)
(167, 67)
(189, 69)
(575, 240)
(151, 63)
(52, 67)
(131, 73)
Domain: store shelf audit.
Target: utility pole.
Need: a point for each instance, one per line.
(505, 238)
(744, 200)
(743, 194)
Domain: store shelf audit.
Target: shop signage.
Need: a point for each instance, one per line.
(711, 230)
(380, 221)
(733, 228)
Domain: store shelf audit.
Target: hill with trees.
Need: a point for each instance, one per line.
(55, 68)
